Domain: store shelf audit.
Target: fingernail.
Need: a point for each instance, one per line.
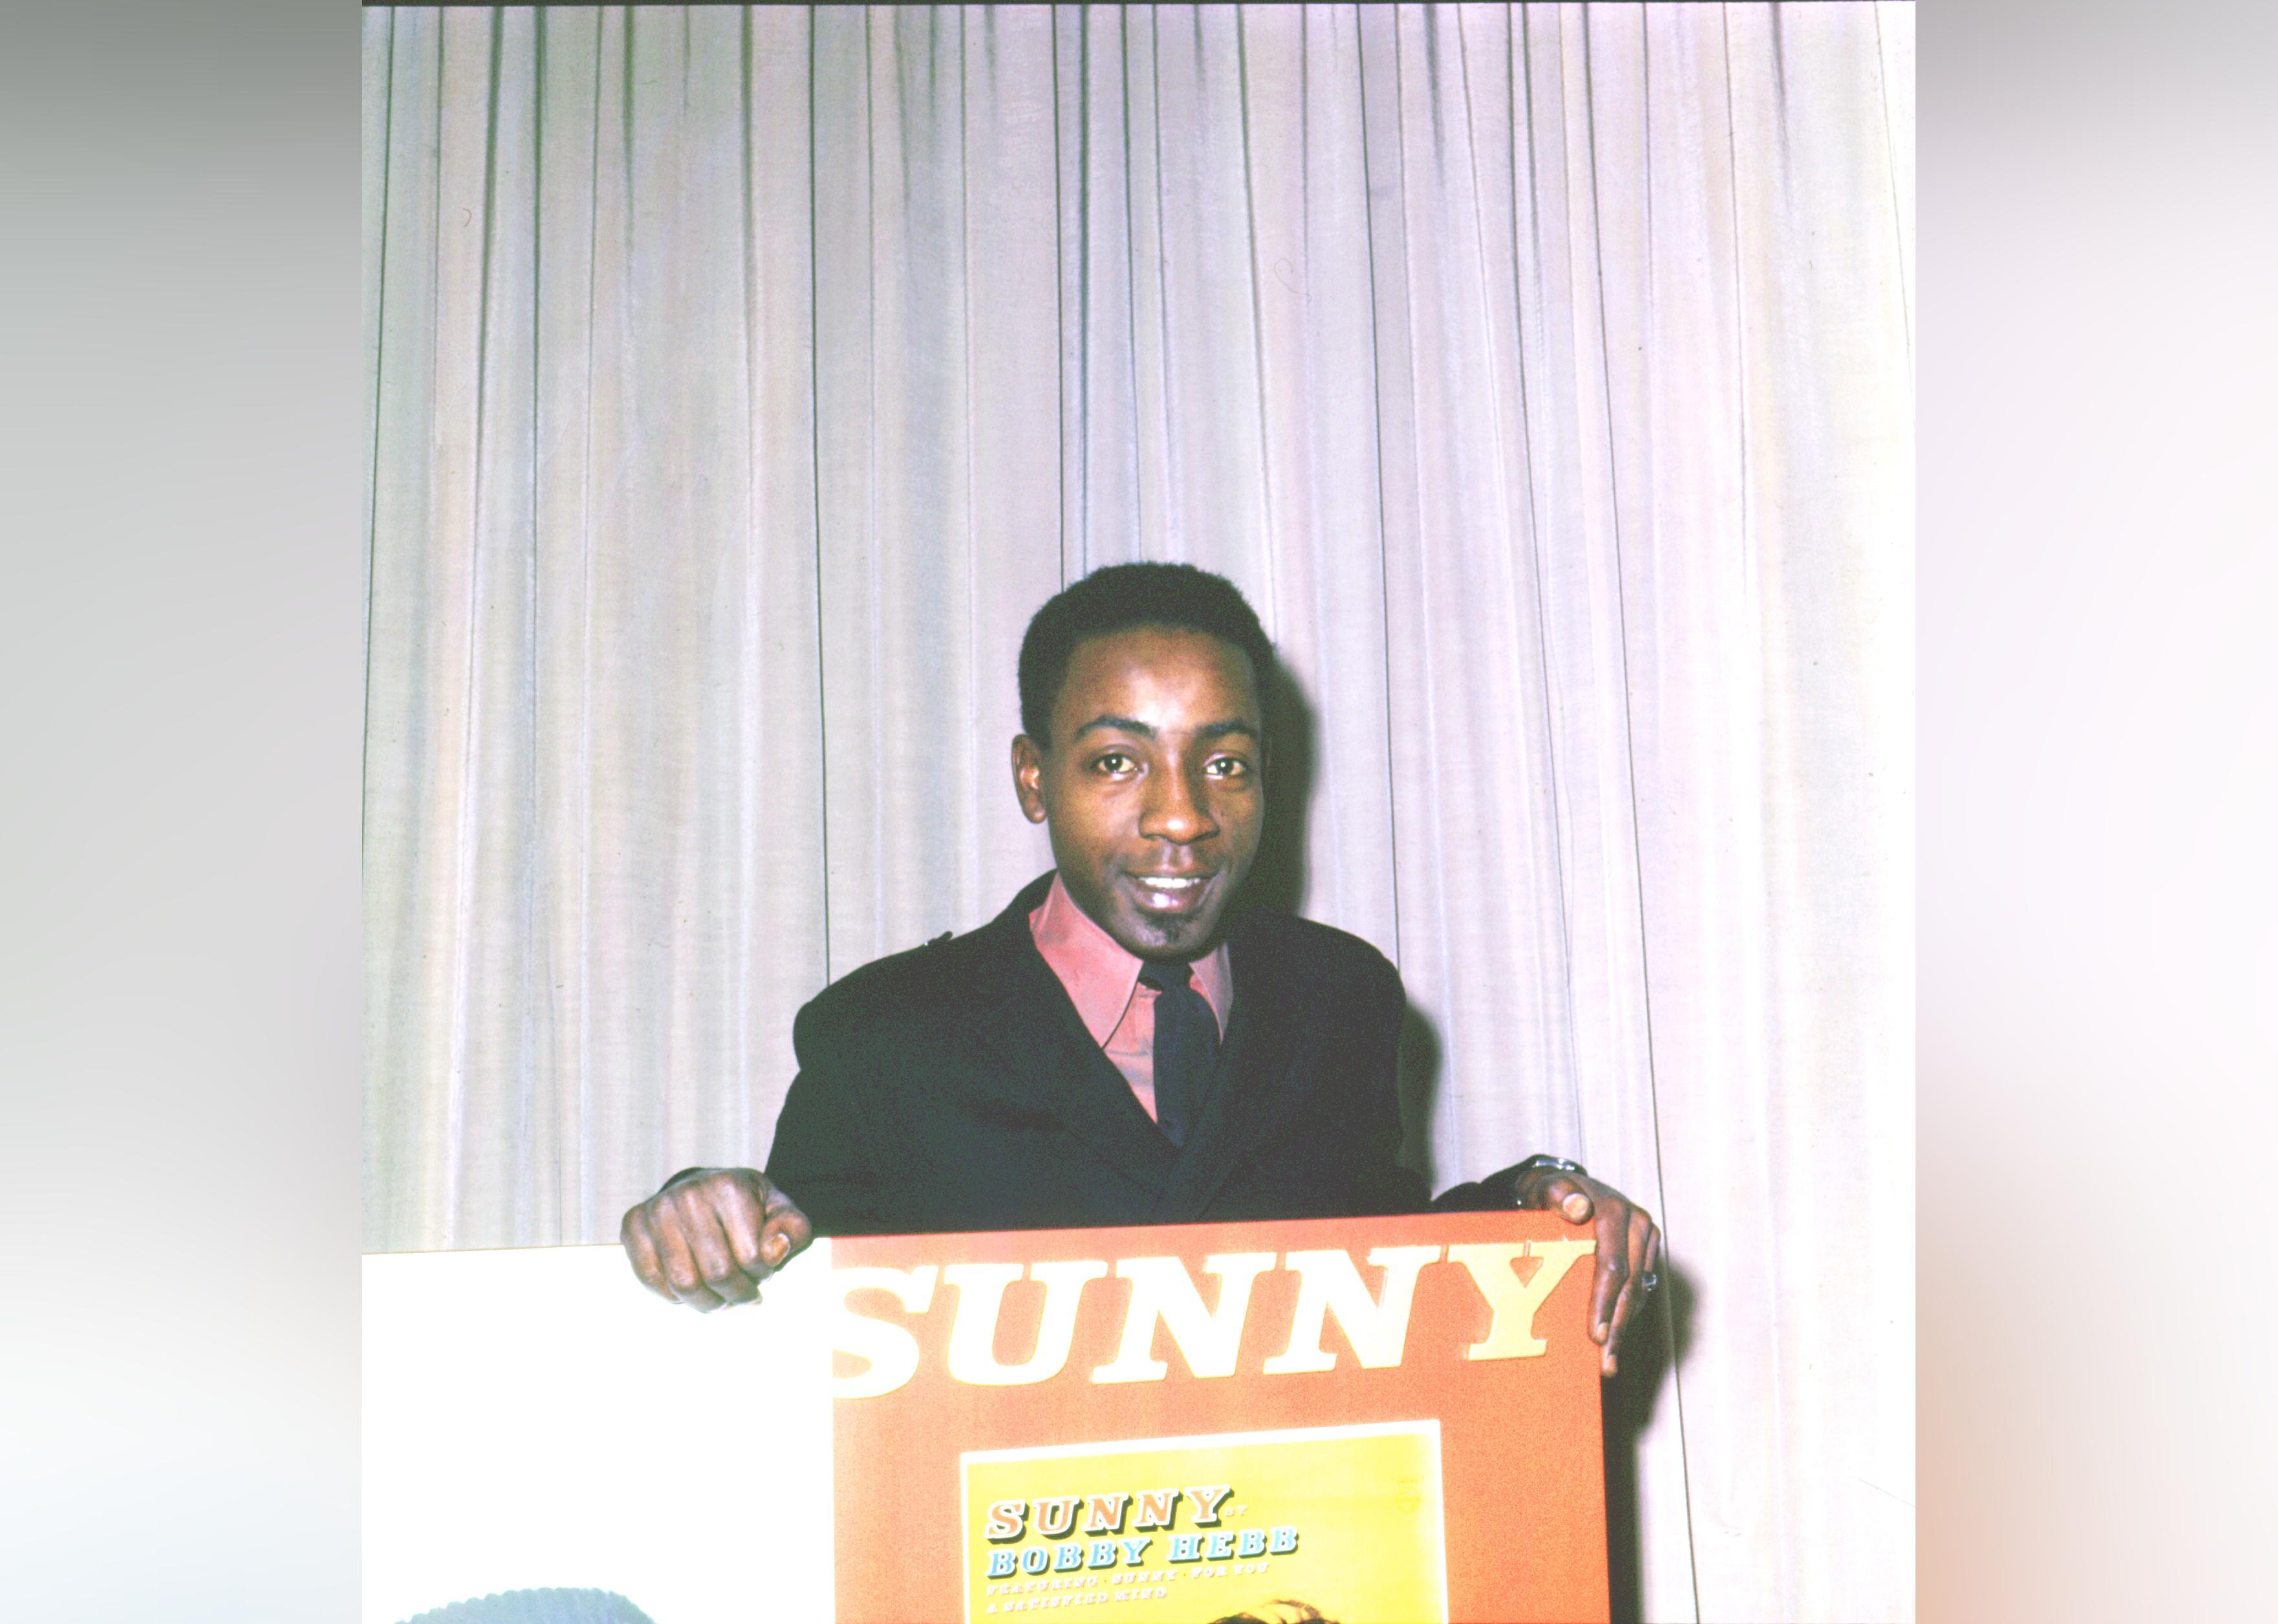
(1576, 1206)
(773, 1247)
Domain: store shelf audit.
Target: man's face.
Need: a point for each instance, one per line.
(1153, 784)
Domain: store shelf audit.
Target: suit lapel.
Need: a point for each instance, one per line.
(1256, 1073)
(1024, 1016)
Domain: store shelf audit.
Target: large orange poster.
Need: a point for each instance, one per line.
(1392, 1420)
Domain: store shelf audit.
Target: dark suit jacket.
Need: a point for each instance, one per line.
(955, 1087)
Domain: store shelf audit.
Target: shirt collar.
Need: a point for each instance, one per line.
(1100, 973)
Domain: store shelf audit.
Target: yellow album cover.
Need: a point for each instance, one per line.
(1347, 1519)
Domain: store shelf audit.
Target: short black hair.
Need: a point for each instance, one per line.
(1117, 598)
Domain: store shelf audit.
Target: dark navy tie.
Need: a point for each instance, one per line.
(1186, 1047)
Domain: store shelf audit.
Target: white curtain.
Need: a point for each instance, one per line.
(741, 380)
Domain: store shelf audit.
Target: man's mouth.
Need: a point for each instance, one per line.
(1165, 894)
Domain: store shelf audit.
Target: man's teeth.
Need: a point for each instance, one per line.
(1169, 890)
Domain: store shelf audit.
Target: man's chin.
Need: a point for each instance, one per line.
(1179, 936)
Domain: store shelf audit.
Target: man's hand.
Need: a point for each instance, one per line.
(712, 1234)
(1629, 1248)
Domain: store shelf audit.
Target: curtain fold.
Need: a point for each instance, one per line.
(741, 380)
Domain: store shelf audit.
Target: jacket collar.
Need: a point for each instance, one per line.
(1025, 1016)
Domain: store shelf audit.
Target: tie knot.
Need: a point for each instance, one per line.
(1165, 977)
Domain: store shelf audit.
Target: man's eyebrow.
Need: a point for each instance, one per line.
(1132, 724)
(1121, 724)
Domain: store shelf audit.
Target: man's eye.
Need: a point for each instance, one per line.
(1226, 766)
(1113, 761)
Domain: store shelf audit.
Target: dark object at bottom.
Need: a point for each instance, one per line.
(1284, 1613)
(539, 1607)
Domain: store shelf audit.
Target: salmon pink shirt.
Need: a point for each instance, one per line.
(1103, 982)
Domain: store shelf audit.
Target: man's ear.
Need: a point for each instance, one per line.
(1029, 777)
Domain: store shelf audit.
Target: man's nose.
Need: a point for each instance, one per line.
(1178, 809)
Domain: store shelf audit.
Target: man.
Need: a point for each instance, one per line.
(1120, 1046)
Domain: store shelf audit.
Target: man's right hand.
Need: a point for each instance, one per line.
(712, 1234)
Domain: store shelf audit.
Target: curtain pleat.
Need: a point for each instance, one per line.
(739, 381)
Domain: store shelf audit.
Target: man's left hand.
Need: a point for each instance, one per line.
(1629, 1248)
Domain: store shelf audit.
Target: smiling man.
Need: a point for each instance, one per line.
(1120, 1045)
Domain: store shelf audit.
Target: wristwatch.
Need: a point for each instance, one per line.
(1543, 1165)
